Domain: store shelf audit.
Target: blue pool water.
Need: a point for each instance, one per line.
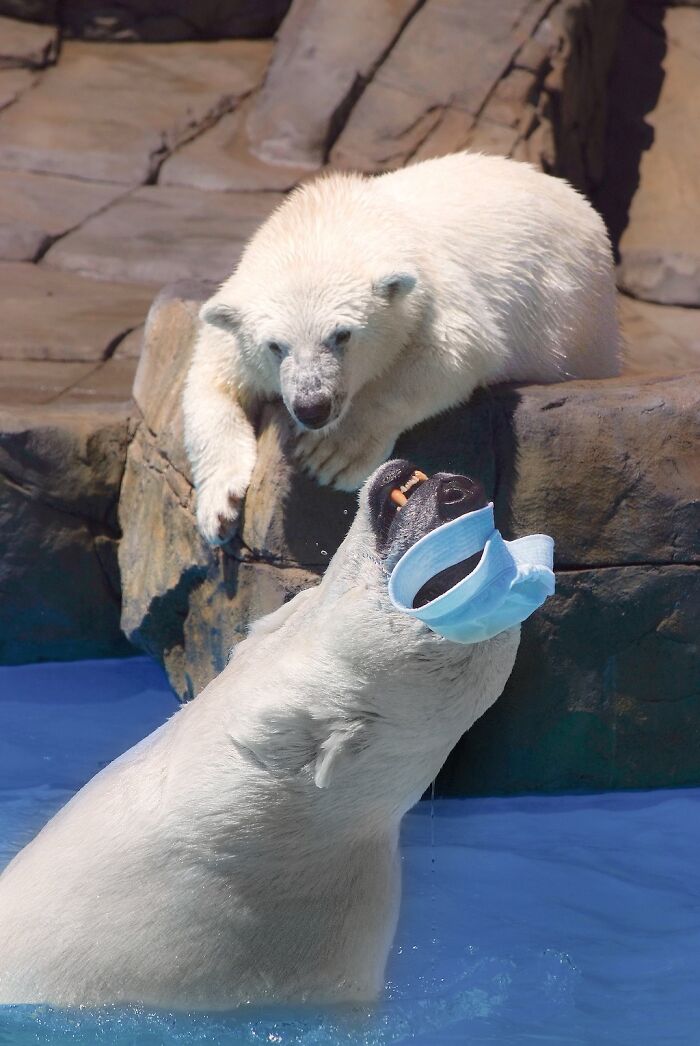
(568, 920)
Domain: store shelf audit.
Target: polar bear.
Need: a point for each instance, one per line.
(371, 304)
(248, 849)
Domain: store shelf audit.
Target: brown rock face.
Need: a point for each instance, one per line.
(450, 54)
(60, 472)
(661, 339)
(150, 100)
(37, 208)
(56, 315)
(660, 247)
(154, 21)
(604, 693)
(316, 73)
(221, 159)
(26, 46)
(160, 235)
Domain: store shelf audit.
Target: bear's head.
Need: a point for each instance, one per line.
(378, 692)
(316, 345)
(324, 299)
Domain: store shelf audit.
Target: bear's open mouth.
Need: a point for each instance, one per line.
(394, 485)
(405, 504)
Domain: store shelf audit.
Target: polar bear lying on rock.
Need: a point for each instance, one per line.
(248, 849)
(371, 304)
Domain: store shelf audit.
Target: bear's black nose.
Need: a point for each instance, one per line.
(312, 412)
(457, 495)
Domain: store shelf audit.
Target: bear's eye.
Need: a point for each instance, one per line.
(275, 347)
(340, 337)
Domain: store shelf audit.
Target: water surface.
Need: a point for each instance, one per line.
(567, 920)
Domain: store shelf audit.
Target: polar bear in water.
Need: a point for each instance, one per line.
(371, 304)
(248, 849)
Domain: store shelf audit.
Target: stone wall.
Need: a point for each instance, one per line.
(60, 477)
(153, 21)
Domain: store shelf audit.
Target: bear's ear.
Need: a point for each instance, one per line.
(395, 285)
(226, 317)
(343, 741)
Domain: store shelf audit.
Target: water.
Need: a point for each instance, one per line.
(568, 920)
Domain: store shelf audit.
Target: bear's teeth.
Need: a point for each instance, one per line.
(399, 495)
(415, 479)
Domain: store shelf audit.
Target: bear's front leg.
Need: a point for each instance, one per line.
(346, 455)
(221, 445)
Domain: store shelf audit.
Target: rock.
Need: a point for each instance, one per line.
(608, 468)
(37, 208)
(582, 35)
(13, 83)
(51, 315)
(605, 693)
(165, 21)
(60, 473)
(450, 54)
(129, 348)
(31, 10)
(158, 235)
(150, 100)
(35, 382)
(660, 247)
(451, 132)
(221, 159)
(318, 69)
(510, 96)
(111, 382)
(661, 339)
(23, 45)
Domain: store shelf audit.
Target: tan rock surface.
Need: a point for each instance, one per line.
(150, 100)
(317, 69)
(158, 235)
(449, 54)
(36, 208)
(13, 83)
(23, 44)
(660, 248)
(661, 339)
(50, 315)
(129, 348)
(110, 382)
(33, 382)
(221, 159)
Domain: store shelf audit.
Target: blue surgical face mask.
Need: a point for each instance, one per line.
(511, 580)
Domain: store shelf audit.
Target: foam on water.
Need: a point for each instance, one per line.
(567, 920)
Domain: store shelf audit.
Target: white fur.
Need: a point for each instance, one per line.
(248, 849)
(504, 273)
